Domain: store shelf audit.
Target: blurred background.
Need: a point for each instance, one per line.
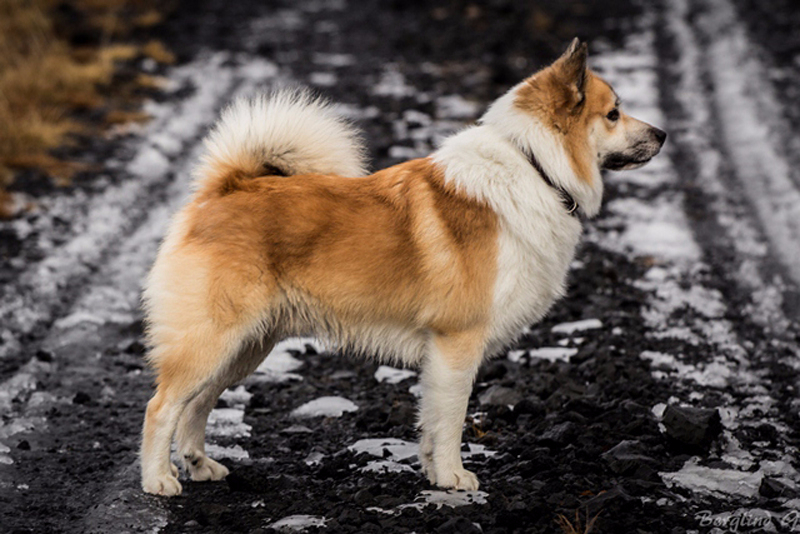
(661, 395)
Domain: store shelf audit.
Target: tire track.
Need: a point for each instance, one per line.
(98, 224)
(120, 247)
(714, 365)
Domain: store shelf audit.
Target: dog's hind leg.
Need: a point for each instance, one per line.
(447, 377)
(190, 435)
(185, 368)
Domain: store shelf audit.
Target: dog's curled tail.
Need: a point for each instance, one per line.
(286, 132)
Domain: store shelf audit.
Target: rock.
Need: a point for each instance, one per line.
(564, 394)
(24, 445)
(601, 501)
(692, 427)
(81, 398)
(458, 525)
(135, 347)
(44, 355)
(626, 457)
(559, 435)
(498, 414)
(499, 395)
(213, 514)
(493, 371)
(532, 406)
(248, 481)
(363, 498)
(401, 413)
(771, 488)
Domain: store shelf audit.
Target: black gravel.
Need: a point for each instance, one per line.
(580, 438)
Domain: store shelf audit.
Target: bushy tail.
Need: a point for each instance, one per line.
(286, 132)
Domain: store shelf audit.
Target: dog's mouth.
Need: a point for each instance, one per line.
(619, 162)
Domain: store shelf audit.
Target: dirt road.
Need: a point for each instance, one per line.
(661, 395)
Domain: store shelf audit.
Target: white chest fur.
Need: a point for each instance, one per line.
(537, 237)
(531, 276)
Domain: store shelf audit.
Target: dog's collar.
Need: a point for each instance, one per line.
(567, 200)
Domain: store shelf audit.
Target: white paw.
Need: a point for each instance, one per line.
(207, 469)
(458, 478)
(166, 485)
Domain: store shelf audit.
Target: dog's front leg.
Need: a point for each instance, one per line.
(447, 377)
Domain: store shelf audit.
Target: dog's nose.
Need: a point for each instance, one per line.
(661, 135)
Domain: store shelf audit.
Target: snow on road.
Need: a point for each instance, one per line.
(682, 306)
(325, 407)
(98, 222)
(114, 236)
(711, 166)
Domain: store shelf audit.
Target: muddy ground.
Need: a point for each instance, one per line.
(673, 408)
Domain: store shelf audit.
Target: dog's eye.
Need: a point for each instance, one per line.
(613, 115)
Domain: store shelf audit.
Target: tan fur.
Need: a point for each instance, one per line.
(272, 256)
(545, 96)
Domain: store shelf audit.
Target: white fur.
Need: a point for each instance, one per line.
(537, 237)
(443, 406)
(527, 133)
(289, 129)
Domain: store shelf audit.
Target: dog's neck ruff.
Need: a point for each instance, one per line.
(528, 135)
(567, 200)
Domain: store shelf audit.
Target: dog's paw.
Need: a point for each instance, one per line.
(207, 469)
(166, 485)
(459, 479)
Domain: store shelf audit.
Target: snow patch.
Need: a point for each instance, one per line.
(713, 374)
(456, 107)
(227, 422)
(392, 83)
(392, 375)
(280, 363)
(553, 354)
(398, 449)
(386, 466)
(577, 326)
(476, 449)
(325, 407)
(714, 481)
(416, 390)
(439, 498)
(453, 498)
(656, 228)
(237, 397)
(5, 457)
(149, 163)
(323, 79)
(217, 452)
(299, 522)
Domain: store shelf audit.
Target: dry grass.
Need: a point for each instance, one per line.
(45, 82)
(568, 527)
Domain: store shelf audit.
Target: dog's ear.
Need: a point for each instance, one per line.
(571, 71)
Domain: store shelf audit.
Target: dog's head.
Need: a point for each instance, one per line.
(583, 107)
(567, 113)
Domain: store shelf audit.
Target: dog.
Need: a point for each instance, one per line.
(438, 262)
